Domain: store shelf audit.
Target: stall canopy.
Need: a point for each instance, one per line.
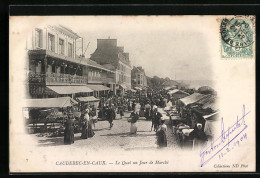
(73, 101)
(70, 89)
(98, 87)
(49, 102)
(167, 88)
(137, 88)
(192, 98)
(212, 103)
(212, 116)
(87, 99)
(132, 90)
(170, 87)
(176, 91)
(123, 86)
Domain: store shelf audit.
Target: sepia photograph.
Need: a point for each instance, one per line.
(132, 93)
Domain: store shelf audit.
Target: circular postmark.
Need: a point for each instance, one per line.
(237, 33)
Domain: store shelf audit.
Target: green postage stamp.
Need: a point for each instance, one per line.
(237, 37)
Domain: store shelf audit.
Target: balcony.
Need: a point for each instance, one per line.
(57, 79)
(96, 79)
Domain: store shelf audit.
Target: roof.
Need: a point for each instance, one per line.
(110, 54)
(49, 102)
(98, 87)
(176, 91)
(87, 99)
(66, 31)
(109, 66)
(192, 98)
(92, 63)
(70, 89)
(212, 103)
(208, 102)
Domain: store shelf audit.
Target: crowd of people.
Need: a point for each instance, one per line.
(87, 120)
(108, 108)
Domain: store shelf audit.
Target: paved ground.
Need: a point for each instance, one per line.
(118, 136)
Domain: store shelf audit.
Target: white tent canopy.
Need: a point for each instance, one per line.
(49, 102)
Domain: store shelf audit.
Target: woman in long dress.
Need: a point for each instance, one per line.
(90, 123)
(84, 133)
(161, 134)
(69, 130)
(134, 117)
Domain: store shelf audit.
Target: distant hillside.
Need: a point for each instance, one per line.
(159, 83)
(197, 83)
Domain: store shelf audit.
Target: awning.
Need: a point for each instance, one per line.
(69, 89)
(192, 98)
(123, 86)
(73, 101)
(87, 99)
(167, 88)
(176, 91)
(137, 88)
(49, 102)
(210, 116)
(132, 90)
(98, 87)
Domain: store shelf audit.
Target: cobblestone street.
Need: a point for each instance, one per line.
(118, 136)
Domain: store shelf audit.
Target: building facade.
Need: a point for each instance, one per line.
(55, 70)
(100, 76)
(138, 77)
(113, 57)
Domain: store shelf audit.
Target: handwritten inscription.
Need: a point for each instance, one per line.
(231, 138)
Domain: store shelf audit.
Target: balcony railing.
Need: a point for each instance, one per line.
(100, 79)
(56, 79)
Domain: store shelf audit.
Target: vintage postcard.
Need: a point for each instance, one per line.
(132, 93)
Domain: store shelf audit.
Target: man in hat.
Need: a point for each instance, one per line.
(147, 110)
(156, 118)
(110, 114)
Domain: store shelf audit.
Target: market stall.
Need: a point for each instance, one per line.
(47, 113)
(90, 100)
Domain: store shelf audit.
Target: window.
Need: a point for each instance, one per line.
(61, 46)
(70, 50)
(138, 82)
(51, 42)
(38, 38)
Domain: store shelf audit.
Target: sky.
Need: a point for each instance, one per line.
(166, 46)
